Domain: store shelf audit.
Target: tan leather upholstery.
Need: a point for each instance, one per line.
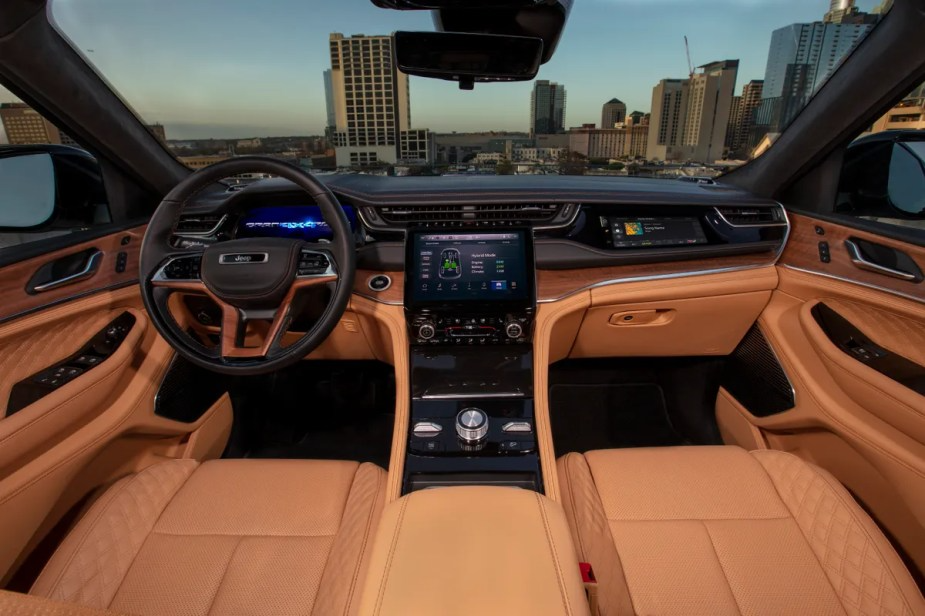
(228, 536)
(473, 550)
(718, 530)
(18, 604)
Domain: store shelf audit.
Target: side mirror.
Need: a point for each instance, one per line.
(906, 184)
(29, 193)
(883, 178)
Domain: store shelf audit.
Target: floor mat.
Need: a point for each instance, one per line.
(316, 410)
(592, 416)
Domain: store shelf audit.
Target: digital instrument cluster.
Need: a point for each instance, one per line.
(303, 222)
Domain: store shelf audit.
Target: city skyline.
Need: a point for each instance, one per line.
(601, 56)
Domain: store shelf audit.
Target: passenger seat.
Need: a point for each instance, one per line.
(719, 530)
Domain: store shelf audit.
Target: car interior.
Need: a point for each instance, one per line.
(462, 395)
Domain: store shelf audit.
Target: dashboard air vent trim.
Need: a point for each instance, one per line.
(205, 225)
(741, 216)
(539, 216)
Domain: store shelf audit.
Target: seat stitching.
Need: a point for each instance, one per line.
(621, 520)
(340, 524)
(261, 535)
(392, 548)
(91, 525)
(153, 526)
(221, 580)
(366, 534)
(574, 507)
(722, 568)
(793, 517)
(836, 491)
(563, 591)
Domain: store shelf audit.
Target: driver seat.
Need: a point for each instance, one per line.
(225, 536)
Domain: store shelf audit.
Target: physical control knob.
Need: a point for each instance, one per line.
(472, 425)
(514, 329)
(426, 331)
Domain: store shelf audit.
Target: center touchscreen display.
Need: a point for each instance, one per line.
(470, 267)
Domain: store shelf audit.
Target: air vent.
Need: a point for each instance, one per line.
(541, 216)
(738, 216)
(199, 225)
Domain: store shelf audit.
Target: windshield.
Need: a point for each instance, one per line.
(662, 88)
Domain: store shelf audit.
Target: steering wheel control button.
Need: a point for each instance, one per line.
(472, 425)
(379, 283)
(517, 427)
(313, 264)
(182, 268)
(426, 429)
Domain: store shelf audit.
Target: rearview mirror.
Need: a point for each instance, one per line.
(468, 58)
(28, 197)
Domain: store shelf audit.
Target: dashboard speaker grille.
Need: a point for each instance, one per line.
(756, 379)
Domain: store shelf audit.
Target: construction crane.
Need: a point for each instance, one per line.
(687, 48)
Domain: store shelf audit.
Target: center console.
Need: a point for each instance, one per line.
(470, 301)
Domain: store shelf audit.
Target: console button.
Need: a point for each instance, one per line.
(518, 427)
(379, 283)
(426, 429)
(426, 331)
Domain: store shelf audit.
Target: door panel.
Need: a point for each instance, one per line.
(851, 419)
(117, 267)
(97, 425)
(803, 252)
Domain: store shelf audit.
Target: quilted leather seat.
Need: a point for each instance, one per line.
(718, 530)
(224, 537)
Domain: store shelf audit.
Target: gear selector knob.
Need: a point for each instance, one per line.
(472, 425)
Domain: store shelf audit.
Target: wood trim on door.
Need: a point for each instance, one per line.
(14, 278)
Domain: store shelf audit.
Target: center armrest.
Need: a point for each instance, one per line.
(473, 550)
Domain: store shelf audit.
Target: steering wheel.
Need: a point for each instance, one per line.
(250, 279)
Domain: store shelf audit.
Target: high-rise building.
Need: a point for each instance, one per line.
(626, 140)
(840, 10)
(24, 125)
(612, 113)
(158, 131)
(371, 103)
(908, 114)
(547, 108)
(801, 57)
(668, 112)
(690, 117)
(742, 118)
(735, 118)
(637, 127)
(331, 121)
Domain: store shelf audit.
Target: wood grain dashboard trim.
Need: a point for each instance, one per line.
(555, 285)
(802, 254)
(14, 278)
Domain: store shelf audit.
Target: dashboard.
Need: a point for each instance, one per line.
(596, 228)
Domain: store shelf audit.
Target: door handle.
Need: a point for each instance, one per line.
(90, 267)
(861, 262)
